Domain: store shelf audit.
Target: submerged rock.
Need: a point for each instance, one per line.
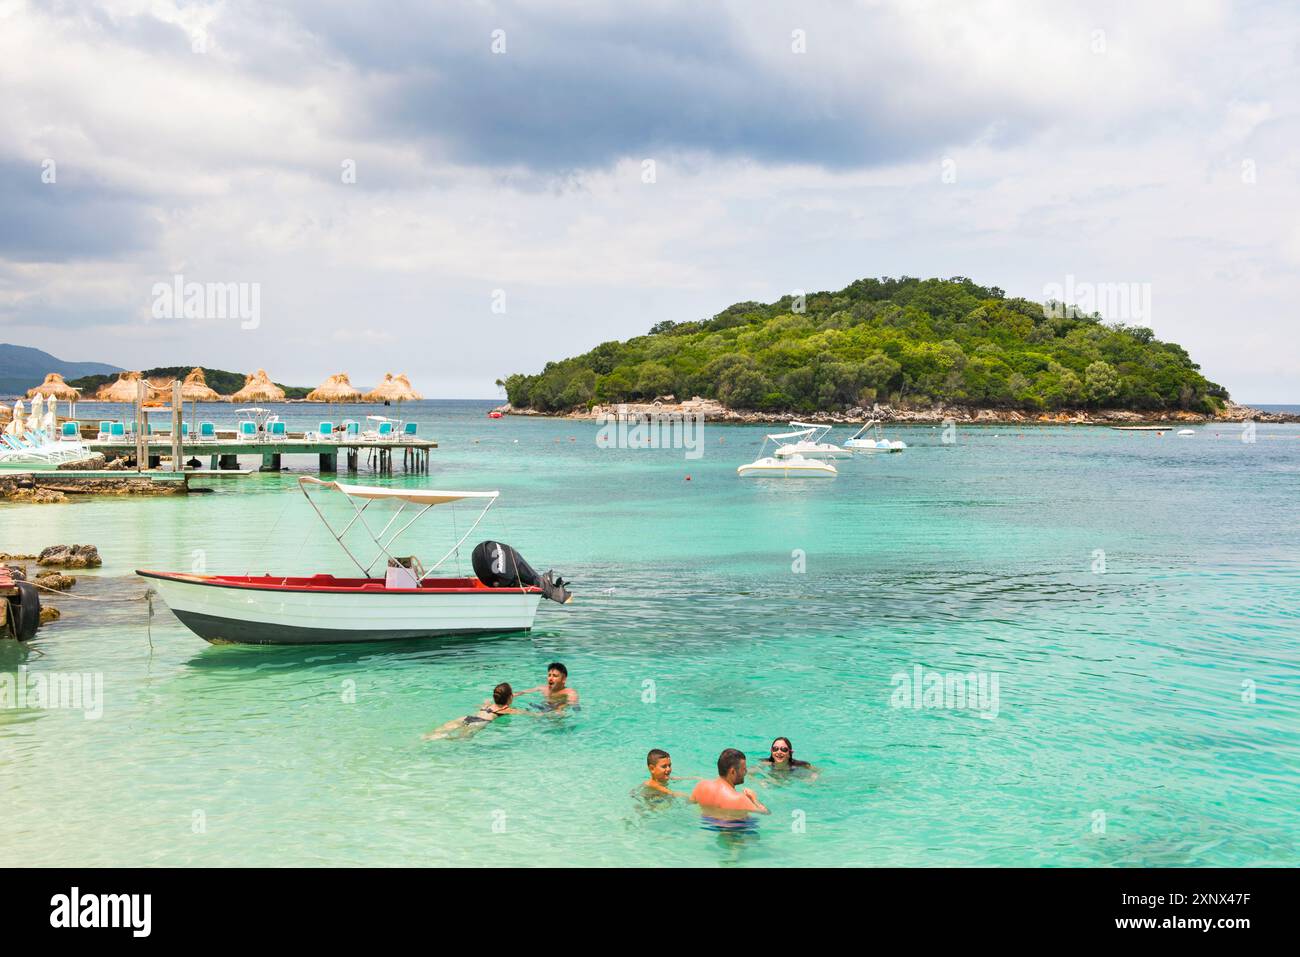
(56, 580)
(49, 613)
(70, 556)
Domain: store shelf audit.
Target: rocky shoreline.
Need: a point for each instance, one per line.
(935, 415)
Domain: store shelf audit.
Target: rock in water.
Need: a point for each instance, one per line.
(55, 580)
(49, 613)
(70, 556)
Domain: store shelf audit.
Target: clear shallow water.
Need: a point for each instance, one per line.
(1118, 692)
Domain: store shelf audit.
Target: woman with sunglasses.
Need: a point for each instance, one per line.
(781, 760)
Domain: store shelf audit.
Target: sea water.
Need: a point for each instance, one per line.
(1130, 601)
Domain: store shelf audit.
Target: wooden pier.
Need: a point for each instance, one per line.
(222, 454)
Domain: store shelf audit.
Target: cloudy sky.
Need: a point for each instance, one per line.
(460, 190)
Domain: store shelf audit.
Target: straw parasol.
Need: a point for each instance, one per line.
(258, 387)
(195, 389)
(412, 395)
(393, 389)
(336, 388)
(55, 388)
(123, 389)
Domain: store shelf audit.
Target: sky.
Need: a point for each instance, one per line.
(462, 190)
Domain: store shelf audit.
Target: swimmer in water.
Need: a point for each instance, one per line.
(488, 711)
(781, 760)
(661, 772)
(557, 692)
(720, 799)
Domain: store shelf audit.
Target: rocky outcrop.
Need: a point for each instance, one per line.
(69, 556)
(49, 487)
(714, 411)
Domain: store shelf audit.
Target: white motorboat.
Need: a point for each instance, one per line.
(876, 442)
(786, 466)
(405, 603)
(808, 442)
(793, 466)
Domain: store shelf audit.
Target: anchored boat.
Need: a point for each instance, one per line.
(876, 442)
(808, 442)
(406, 603)
(789, 465)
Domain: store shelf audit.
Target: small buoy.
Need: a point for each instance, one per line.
(688, 478)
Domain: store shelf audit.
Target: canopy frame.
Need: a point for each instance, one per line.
(383, 540)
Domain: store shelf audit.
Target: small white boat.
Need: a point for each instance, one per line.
(788, 466)
(794, 466)
(405, 603)
(808, 443)
(857, 442)
(1186, 431)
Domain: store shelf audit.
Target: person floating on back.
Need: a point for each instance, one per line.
(719, 798)
(489, 711)
(557, 692)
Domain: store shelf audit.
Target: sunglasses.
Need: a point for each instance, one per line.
(779, 748)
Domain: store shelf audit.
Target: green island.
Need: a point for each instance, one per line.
(909, 343)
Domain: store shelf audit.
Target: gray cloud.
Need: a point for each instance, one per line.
(72, 218)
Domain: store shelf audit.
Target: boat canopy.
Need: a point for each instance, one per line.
(386, 536)
(793, 435)
(416, 496)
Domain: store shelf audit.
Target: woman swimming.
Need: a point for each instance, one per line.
(781, 759)
(489, 711)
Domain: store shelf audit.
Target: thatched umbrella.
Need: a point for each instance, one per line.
(123, 389)
(258, 387)
(412, 395)
(55, 388)
(195, 389)
(336, 388)
(393, 390)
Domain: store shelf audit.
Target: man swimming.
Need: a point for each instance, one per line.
(719, 799)
(661, 772)
(489, 711)
(557, 693)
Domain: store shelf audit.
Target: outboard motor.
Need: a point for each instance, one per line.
(497, 565)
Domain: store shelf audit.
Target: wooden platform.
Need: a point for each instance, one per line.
(223, 452)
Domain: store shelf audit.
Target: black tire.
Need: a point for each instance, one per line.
(27, 611)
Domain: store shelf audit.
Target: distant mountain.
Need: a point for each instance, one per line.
(22, 367)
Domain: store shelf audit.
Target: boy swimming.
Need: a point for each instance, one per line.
(661, 771)
(489, 711)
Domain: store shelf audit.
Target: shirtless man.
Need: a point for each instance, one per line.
(558, 694)
(719, 798)
(488, 711)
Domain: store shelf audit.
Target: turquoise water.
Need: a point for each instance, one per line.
(1124, 693)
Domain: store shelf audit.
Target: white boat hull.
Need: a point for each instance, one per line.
(796, 467)
(224, 613)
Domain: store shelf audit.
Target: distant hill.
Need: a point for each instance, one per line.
(226, 383)
(907, 342)
(22, 367)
